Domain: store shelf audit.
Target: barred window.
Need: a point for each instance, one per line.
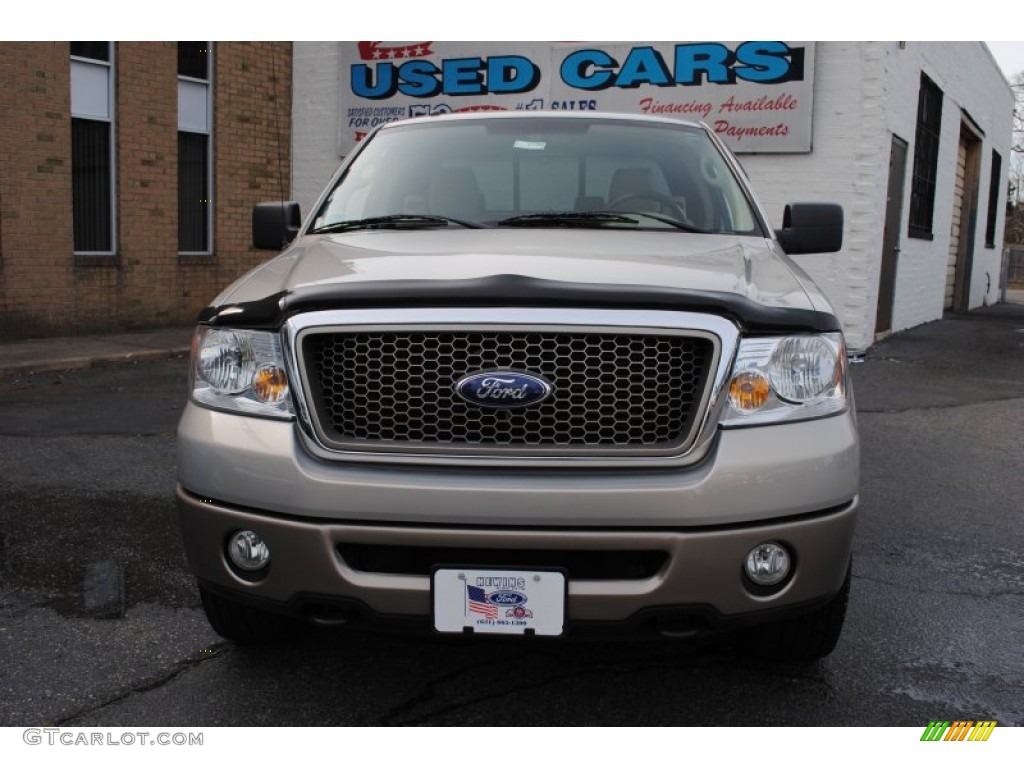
(195, 179)
(926, 159)
(92, 147)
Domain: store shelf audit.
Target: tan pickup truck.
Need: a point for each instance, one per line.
(533, 374)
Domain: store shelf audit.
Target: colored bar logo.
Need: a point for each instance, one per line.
(958, 730)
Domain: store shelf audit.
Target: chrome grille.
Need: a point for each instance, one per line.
(613, 392)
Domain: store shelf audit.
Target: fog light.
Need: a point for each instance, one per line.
(768, 563)
(248, 551)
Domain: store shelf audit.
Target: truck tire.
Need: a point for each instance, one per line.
(244, 624)
(806, 638)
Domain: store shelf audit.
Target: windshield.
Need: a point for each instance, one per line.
(540, 171)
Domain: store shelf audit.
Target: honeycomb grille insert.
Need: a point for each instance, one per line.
(396, 390)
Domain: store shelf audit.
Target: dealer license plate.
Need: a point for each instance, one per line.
(499, 601)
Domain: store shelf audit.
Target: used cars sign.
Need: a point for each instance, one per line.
(756, 95)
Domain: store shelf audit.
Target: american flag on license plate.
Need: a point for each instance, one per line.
(477, 603)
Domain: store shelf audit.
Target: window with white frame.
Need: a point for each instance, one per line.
(92, 148)
(195, 167)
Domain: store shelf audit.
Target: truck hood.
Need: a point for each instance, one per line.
(742, 277)
(724, 264)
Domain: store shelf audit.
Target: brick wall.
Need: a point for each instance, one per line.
(35, 187)
(252, 140)
(44, 289)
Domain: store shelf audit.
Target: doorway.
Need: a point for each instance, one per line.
(965, 219)
(891, 236)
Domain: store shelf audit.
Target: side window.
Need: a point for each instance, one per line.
(728, 208)
(348, 201)
(995, 189)
(92, 147)
(195, 129)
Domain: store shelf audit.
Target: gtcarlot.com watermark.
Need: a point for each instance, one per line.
(73, 737)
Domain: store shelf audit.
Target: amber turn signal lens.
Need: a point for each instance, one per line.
(748, 390)
(270, 384)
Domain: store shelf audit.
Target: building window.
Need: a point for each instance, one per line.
(926, 159)
(92, 147)
(195, 169)
(994, 199)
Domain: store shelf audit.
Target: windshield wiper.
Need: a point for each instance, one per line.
(592, 219)
(674, 223)
(394, 221)
(567, 219)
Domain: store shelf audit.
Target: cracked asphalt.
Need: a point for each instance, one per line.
(100, 623)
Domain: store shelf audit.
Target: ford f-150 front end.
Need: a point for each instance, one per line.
(526, 374)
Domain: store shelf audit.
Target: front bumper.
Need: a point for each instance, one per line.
(793, 483)
(702, 573)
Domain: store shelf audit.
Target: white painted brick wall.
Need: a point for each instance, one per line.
(970, 80)
(847, 165)
(316, 92)
(863, 94)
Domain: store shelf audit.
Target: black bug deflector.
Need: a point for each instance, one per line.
(517, 290)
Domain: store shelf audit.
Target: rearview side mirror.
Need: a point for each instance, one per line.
(811, 228)
(274, 225)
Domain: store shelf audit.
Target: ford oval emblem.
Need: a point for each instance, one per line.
(502, 389)
(506, 597)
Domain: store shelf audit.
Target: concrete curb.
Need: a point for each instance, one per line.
(88, 361)
(69, 353)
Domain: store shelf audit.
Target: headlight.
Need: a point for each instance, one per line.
(802, 368)
(226, 361)
(242, 371)
(786, 378)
